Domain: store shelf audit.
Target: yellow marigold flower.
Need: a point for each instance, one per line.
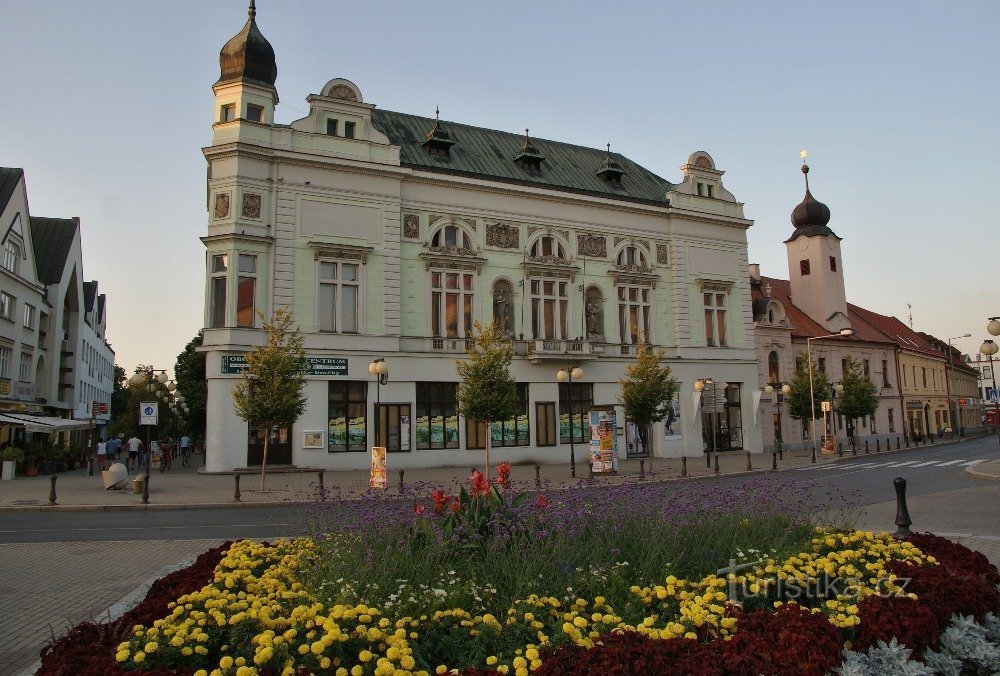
(139, 657)
(201, 672)
(491, 660)
(364, 655)
(122, 655)
(441, 669)
(690, 634)
(226, 662)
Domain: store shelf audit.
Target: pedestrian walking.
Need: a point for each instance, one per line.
(102, 454)
(185, 443)
(134, 445)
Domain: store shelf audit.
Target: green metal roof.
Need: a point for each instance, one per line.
(489, 154)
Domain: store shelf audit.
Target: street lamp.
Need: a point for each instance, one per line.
(149, 377)
(953, 413)
(783, 391)
(994, 326)
(568, 375)
(989, 348)
(380, 369)
(812, 397)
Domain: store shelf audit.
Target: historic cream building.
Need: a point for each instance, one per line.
(389, 235)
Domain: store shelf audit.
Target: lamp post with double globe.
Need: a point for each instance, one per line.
(152, 379)
(568, 375)
(844, 333)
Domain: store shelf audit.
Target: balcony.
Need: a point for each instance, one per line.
(449, 344)
(537, 350)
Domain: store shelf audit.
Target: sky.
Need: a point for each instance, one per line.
(107, 104)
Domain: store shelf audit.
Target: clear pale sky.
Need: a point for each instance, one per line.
(106, 105)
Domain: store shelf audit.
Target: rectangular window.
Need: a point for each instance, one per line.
(701, 188)
(7, 305)
(11, 256)
(339, 293)
(833, 263)
(892, 422)
(514, 431)
(710, 189)
(4, 361)
(255, 113)
(451, 304)
(867, 366)
(549, 309)
(924, 372)
(29, 316)
(437, 415)
(393, 427)
(633, 313)
(575, 402)
(804, 267)
(715, 319)
(246, 287)
(24, 369)
(885, 373)
(349, 130)
(220, 268)
(545, 423)
(347, 416)
(227, 113)
(331, 127)
(822, 364)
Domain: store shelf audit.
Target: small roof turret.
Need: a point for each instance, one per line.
(528, 156)
(611, 171)
(248, 55)
(438, 141)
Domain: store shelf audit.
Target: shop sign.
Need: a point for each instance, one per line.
(914, 406)
(236, 364)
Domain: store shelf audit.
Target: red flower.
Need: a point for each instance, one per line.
(542, 502)
(503, 474)
(418, 509)
(441, 500)
(456, 506)
(480, 485)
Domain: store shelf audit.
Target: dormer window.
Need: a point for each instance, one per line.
(611, 171)
(451, 236)
(701, 189)
(438, 141)
(548, 246)
(331, 127)
(349, 129)
(227, 113)
(528, 157)
(255, 113)
(710, 187)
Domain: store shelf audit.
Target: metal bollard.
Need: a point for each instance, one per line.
(322, 488)
(708, 460)
(538, 476)
(878, 443)
(52, 489)
(902, 513)
(774, 461)
(716, 463)
(401, 480)
(840, 449)
(897, 443)
(642, 469)
(590, 470)
(236, 491)
(749, 466)
(684, 465)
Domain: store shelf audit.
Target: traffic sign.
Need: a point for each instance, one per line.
(98, 408)
(148, 412)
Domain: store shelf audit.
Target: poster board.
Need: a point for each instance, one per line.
(313, 439)
(379, 474)
(603, 441)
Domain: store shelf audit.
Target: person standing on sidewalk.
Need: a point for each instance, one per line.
(134, 446)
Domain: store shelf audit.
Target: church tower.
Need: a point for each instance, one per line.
(245, 91)
(815, 267)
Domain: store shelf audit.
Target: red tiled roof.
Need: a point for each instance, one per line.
(897, 331)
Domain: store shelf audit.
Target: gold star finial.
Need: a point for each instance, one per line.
(803, 154)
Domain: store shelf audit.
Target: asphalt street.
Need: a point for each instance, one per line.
(866, 480)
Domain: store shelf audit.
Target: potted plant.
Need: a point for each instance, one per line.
(11, 457)
(32, 458)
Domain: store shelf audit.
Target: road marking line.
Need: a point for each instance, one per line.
(902, 464)
(924, 464)
(950, 462)
(973, 462)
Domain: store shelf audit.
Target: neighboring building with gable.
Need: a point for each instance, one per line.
(54, 356)
(389, 235)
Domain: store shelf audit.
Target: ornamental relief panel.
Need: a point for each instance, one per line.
(340, 255)
(221, 209)
(503, 236)
(411, 226)
(619, 240)
(662, 254)
(533, 230)
(251, 205)
(594, 246)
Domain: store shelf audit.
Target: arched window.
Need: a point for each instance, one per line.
(503, 306)
(548, 246)
(451, 235)
(631, 255)
(770, 315)
(773, 373)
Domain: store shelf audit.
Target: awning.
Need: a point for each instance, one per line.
(39, 423)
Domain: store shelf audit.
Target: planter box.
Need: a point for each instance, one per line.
(8, 469)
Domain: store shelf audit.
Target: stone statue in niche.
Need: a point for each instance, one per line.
(595, 325)
(502, 315)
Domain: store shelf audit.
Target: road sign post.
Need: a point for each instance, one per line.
(148, 414)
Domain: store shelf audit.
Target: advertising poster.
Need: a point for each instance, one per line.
(603, 442)
(378, 477)
(312, 439)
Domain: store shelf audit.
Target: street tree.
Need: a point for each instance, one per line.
(859, 397)
(189, 371)
(270, 392)
(647, 390)
(798, 398)
(486, 391)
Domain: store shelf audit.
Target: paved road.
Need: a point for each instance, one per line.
(60, 568)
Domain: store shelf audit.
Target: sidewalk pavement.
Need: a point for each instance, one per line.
(186, 488)
(987, 470)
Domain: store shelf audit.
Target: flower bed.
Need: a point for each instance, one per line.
(454, 570)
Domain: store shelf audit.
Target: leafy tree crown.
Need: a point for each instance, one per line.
(647, 389)
(859, 398)
(798, 397)
(486, 391)
(270, 392)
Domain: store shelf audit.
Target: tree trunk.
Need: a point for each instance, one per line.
(487, 452)
(263, 462)
(644, 437)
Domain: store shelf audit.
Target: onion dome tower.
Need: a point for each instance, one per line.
(245, 89)
(815, 266)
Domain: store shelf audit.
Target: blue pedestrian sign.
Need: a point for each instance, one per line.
(148, 411)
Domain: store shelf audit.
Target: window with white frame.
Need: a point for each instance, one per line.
(7, 302)
(246, 289)
(11, 255)
(219, 272)
(451, 235)
(549, 309)
(4, 361)
(29, 316)
(631, 255)
(339, 296)
(548, 246)
(715, 317)
(633, 313)
(452, 301)
(24, 368)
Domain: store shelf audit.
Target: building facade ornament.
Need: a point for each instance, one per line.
(411, 226)
(594, 246)
(503, 236)
(221, 209)
(251, 205)
(662, 254)
(340, 251)
(342, 92)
